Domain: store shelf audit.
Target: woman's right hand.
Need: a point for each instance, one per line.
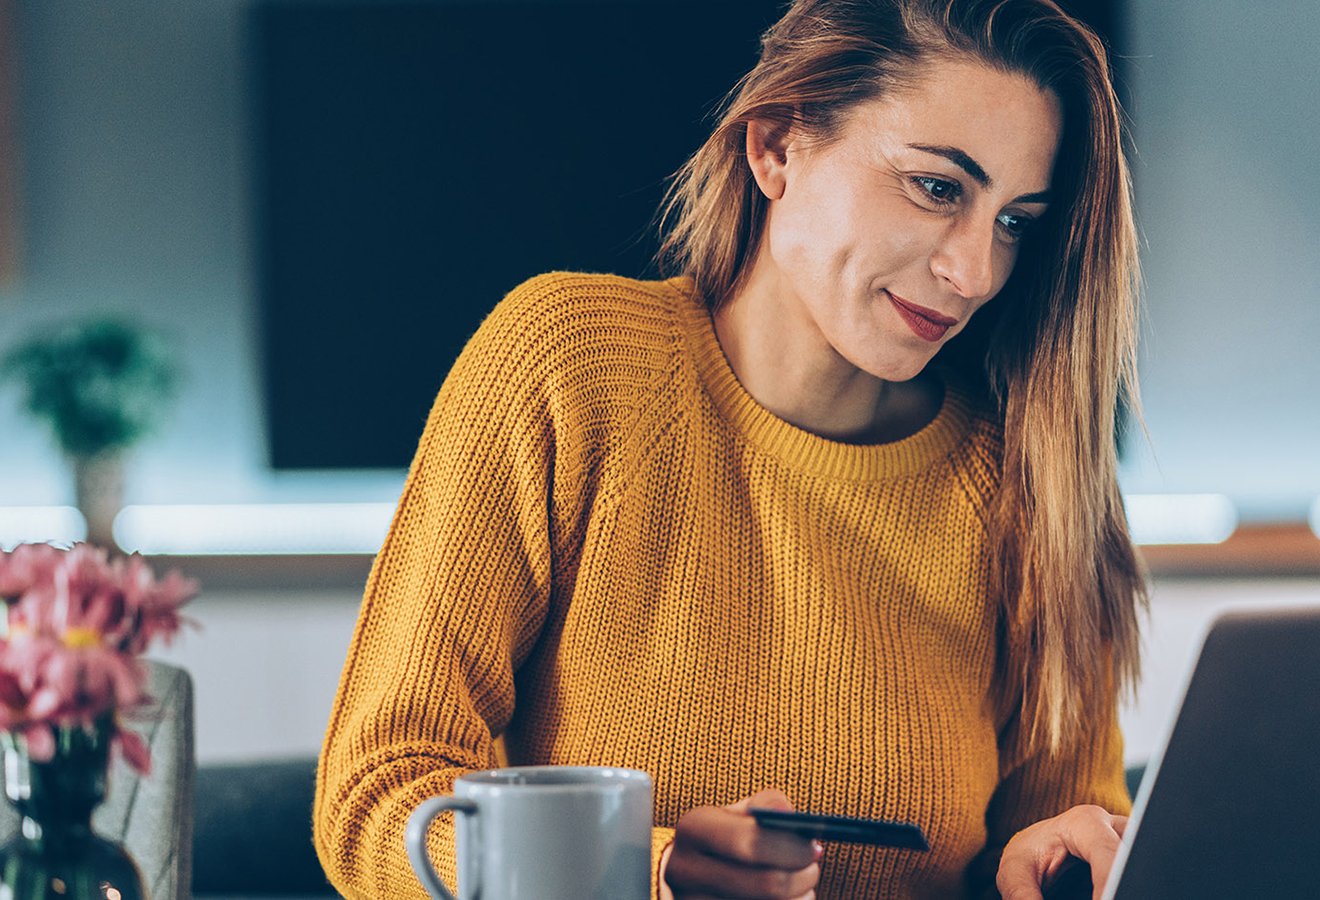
(720, 852)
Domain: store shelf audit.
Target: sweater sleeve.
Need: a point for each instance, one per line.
(455, 600)
(1041, 784)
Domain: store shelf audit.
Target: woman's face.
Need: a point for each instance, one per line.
(888, 238)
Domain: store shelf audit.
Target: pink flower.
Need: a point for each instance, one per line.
(24, 567)
(77, 624)
(93, 680)
(155, 602)
(80, 590)
(27, 716)
(24, 657)
(18, 706)
(95, 600)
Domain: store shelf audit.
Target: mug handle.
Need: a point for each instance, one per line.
(415, 838)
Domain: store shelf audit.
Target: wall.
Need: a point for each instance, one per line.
(264, 665)
(135, 194)
(1228, 194)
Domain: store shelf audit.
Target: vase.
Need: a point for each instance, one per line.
(56, 854)
(98, 484)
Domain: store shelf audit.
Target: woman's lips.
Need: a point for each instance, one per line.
(925, 323)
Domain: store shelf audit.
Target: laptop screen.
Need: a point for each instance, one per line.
(1232, 806)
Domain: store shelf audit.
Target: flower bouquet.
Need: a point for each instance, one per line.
(75, 626)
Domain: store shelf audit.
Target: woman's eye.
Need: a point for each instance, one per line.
(1015, 226)
(940, 190)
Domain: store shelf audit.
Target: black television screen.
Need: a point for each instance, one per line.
(416, 161)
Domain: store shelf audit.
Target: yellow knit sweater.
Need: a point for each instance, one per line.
(609, 553)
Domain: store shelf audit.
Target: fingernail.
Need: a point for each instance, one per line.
(817, 850)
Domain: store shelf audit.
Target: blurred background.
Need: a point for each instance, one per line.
(315, 201)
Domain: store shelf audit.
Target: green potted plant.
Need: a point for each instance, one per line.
(101, 385)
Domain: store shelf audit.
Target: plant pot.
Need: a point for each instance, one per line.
(99, 493)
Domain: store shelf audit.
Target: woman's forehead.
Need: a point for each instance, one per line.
(1003, 120)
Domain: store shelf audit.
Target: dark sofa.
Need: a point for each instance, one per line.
(252, 831)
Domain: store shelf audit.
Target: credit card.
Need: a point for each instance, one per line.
(843, 829)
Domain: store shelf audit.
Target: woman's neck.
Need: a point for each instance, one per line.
(784, 362)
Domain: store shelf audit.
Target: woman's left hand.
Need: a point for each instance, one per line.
(1037, 852)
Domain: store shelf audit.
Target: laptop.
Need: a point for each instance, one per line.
(1231, 807)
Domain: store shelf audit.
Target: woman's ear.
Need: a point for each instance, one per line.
(767, 154)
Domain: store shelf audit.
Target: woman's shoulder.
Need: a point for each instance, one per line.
(586, 302)
(583, 337)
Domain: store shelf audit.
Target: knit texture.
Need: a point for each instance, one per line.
(609, 554)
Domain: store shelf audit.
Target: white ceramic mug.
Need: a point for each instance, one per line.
(543, 833)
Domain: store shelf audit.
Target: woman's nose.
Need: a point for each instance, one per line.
(965, 258)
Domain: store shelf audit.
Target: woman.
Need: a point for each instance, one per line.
(790, 528)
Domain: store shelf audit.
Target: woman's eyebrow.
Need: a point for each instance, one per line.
(973, 168)
(960, 159)
(1037, 197)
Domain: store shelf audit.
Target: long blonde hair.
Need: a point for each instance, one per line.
(1056, 350)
